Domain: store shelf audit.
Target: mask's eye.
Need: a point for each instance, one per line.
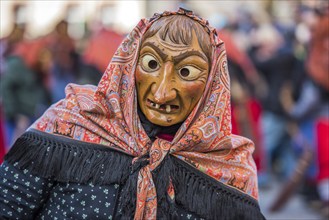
(189, 72)
(149, 63)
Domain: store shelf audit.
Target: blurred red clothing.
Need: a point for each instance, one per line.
(30, 50)
(101, 48)
(318, 62)
(322, 130)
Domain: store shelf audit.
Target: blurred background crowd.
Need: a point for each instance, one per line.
(278, 55)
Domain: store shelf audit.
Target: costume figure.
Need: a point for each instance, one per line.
(152, 141)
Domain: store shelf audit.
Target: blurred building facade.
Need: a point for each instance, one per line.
(42, 16)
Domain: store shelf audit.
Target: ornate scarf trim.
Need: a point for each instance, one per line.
(107, 115)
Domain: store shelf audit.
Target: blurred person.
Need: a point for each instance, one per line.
(311, 110)
(276, 65)
(23, 87)
(319, 71)
(17, 34)
(245, 81)
(152, 140)
(7, 45)
(67, 65)
(63, 69)
(100, 46)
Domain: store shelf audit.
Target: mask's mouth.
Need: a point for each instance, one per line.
(165, 108)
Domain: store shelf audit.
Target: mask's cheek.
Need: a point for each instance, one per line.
(143, 87)
(139, 76)
(190, 96)
(193, 90)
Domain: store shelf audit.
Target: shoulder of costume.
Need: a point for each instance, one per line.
(209, 198)
(68, 160)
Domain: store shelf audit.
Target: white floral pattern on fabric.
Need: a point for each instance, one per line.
(26, 196)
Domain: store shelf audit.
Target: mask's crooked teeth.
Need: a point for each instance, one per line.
(168, 108)
(157, 106)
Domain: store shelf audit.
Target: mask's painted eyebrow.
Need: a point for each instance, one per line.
(157, 49)
(182, 56)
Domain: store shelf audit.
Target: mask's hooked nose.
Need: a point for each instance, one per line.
(163, 89)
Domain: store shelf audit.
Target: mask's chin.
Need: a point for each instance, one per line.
(152, 129)
(159, 119)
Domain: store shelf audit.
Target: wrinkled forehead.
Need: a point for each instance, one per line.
(180, 30)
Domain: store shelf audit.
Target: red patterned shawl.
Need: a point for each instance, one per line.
(107, 115)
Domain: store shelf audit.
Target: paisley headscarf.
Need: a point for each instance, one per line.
(107, 115)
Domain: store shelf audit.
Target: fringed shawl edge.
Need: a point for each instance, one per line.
(66, 160)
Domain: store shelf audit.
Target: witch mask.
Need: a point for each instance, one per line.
(172, 71)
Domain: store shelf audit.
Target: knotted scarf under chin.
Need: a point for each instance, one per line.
(150, 176)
